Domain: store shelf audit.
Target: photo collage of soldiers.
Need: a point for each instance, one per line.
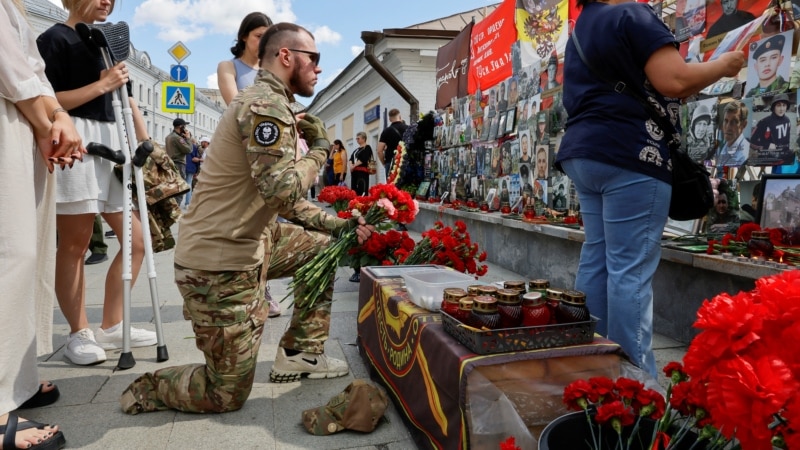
(499, 145)
(733, 124)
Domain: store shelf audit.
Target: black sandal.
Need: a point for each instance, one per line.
(355, 278)
(41, 398)
(9, 432)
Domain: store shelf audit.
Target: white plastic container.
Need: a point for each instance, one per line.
(426, 287)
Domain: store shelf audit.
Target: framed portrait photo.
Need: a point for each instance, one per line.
(511, 115)
(779, 205)
(501, 127)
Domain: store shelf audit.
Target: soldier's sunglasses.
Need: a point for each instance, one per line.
(314, 56)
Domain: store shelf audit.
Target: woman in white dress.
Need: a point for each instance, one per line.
(35, 132)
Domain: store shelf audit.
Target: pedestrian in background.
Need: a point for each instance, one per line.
(97, 243)
(359, 165)
(618, 164)
(390, 138)
(178, 145)
(237, 73)
(193, 161)
(339, 162)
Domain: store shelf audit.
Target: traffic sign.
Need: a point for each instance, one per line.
(179, 73)
(179, 52)
(177, 97)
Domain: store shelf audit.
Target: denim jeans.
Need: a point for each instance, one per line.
(189, 178)
(182, 171)
(624, 214)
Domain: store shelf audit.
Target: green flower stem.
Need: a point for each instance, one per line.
(313, 278)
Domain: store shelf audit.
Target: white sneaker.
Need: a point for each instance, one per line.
(113, 340)
(83, 350)
(290, 368)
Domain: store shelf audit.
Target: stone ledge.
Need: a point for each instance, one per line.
(681, 283)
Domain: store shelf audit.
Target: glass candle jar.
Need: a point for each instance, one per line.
(759, 245)
(509, 305)
(451, 298)
(486, 289)
(539, 285)
(517, 285)
(534, 310)
(464, 310)
(473, 289)
(572, 307)
(529, 211)
(553, 298)
(484, 312)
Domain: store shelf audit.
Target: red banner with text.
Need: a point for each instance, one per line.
(490, 47)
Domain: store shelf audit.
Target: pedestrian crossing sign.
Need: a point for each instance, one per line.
(177, 97)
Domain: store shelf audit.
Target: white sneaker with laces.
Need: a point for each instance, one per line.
(112, 340)
(83, 350)
(291, 368)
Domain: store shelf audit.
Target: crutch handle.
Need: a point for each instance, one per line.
(142, 152)
(102, 151)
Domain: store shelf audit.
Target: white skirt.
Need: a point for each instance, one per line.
(90, 187)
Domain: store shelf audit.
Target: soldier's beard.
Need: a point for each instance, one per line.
(296, 84)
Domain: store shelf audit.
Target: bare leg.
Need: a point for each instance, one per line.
(112, 306)
(74, 232)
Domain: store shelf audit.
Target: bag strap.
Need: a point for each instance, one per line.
(397, 132)
(621, 88)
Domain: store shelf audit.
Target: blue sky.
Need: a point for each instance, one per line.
(208, 27)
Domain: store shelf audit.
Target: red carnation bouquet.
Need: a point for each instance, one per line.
(451, 247)
(381, 249)
(747, 364)
(616, 412)
(738, 388)
(337, 196)
(384, 206)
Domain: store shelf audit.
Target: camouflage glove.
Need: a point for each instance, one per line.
(314, 133)
(345, 226)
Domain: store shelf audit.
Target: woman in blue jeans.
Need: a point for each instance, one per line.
(618, 158)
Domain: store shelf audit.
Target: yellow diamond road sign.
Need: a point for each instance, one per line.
(179, 52)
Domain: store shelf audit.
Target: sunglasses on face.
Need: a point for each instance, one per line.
(313, 56)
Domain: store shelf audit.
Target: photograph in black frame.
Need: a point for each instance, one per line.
(511, 115)
(501, 127)
(779, 203)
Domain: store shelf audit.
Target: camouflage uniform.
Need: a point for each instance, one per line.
(219, 265)
(776, 87)
(177, 148)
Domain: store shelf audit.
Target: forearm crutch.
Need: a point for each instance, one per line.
(113, 43)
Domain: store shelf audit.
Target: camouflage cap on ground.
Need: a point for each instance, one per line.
(359, 407)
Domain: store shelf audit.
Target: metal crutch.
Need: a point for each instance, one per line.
(113, 42)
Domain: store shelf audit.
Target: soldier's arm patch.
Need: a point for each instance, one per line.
(266, 132)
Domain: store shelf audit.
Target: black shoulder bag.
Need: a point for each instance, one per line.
(692, 195)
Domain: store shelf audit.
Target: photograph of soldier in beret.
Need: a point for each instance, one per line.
(769, 65)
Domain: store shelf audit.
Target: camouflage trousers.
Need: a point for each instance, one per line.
(228, 311)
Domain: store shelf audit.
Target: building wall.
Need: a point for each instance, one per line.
(411, 61)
